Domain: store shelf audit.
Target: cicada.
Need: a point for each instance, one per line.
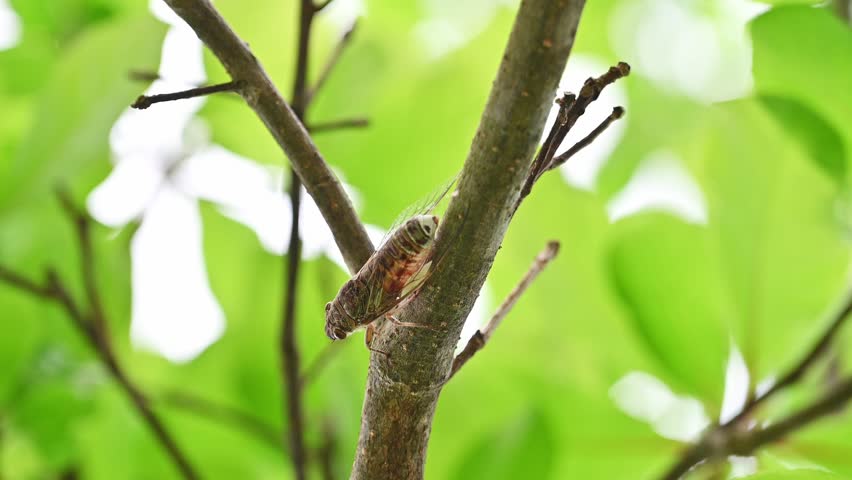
(395, 271)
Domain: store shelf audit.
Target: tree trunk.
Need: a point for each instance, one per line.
(403, 387)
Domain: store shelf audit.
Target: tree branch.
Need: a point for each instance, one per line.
(481, 337)
(261, 95)
(223, 414)
(93, 327)
(332, 125)
(403, 387)
(333, 60)
(721, 434)
(145, 101)
(617, 113)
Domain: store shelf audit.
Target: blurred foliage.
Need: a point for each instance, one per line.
(652, 292)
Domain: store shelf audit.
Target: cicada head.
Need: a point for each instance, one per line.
(338, 325)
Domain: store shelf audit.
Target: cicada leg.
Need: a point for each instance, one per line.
(368, 340)
(400, 323)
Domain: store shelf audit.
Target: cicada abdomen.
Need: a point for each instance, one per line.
(397, 269)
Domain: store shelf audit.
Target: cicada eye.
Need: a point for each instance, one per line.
(339, 333)
(328, 306)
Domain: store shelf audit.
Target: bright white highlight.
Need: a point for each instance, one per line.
(477, 318)
(675, 44)
(646, 398)
(660, 183)
(582, 170)
(10, 26)
(736, 386)
(174, 311)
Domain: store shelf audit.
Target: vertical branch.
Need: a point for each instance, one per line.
(291, 362)
(289, 348)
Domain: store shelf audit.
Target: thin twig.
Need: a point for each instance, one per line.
(289, 347)
(93, 328)
(797, 371)
(320, 362)
(617, 112)
(481, 337)
(333, 59)
(571, 108)
(224, 414)
(719, 434)
(261, 95)
(145, 101)
(290, 359)
(334, 125)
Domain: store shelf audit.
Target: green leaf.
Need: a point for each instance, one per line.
(817, 137)
(88, 90)
(803, 52)
(782, 252)
(667, 274)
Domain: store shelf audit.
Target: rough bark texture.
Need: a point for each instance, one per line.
(261, 95)
(403, 388)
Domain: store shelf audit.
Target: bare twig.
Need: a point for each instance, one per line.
(225, 414)
(289, 348)
(797, 371)
(333, 60)
(721, 434)
(261, 95)
(334, 125)
(481, 337)
(571, 108)
(617, 112)
(145, 101)
(93, 328)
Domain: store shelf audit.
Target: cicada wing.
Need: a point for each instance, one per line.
(423, 206)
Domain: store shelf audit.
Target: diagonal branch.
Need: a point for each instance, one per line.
(224, 414)
(403, 388)
(722, 434)
(333, 60)
(261, 95)
(480, 338)
(93, 328)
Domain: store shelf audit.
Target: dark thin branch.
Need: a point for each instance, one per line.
(20, 282)
(333, 60)
(481, 337)
(727, 440)
(261, 95)
(720, 434)
(145, 101)
(334, 125)
(92, 326)
(289, 348)
(571, 108)
(798, 371)
(224, 414)
(617, 112)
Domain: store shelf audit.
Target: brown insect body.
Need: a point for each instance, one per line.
(395, 270)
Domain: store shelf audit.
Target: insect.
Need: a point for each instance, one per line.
(399, 267)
